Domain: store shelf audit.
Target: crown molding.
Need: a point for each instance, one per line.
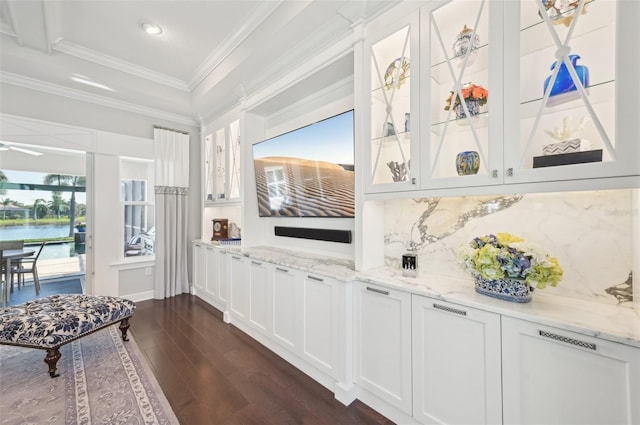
(230, 44)
(90, 55)
(58, 90)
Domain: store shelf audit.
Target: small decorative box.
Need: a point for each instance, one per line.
(568, 146)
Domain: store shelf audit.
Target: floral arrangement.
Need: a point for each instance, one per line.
(507, 256)
(470, 91)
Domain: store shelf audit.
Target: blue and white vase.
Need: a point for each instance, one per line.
(467, 163)
(466, 41)
(514, 290)
(473, 105)
(564, 89)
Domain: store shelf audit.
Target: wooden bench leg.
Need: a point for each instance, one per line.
(124, 327)
(53, 355)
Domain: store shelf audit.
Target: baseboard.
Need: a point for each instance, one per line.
(345, 394)
(140, 296)
(384, 408)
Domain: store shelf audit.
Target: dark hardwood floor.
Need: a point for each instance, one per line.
(213, 373)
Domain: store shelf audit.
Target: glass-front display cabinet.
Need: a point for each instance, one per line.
(393, 83)
(462, 56)
(222, 164)
(570, 89)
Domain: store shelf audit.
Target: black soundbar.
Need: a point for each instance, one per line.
(330, 235)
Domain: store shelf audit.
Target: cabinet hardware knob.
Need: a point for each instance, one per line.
(567, 340)
(413, 180)
(235, 257)
(282, 270)
(315, 278)
(510, 172)
(377, 291)
(449, 309)
(257, 263)
(494, 174)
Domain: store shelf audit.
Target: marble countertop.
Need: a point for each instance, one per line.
(617, 324)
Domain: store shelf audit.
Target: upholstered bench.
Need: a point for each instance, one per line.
(51, 322)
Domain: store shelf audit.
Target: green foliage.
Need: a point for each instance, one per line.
(41, 221)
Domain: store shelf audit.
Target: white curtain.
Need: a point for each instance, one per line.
(172, 180)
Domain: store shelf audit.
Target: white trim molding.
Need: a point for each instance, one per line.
(58, 90)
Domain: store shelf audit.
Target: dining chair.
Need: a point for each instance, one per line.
(28, 265)
(10, 245)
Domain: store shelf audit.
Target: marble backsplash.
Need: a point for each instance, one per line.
(591, 233)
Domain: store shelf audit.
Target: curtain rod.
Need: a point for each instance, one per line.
(171, 129)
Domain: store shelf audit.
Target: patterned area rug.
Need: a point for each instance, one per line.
(102, 381)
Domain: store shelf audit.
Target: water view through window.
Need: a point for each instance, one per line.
(38, 207)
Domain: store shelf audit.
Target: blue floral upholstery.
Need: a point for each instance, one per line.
(56, 320)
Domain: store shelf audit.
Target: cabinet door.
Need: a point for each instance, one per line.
(391, 73)
(238, 282)
(571, 90)
(462, 56)
(199, 267)
(382, 326)
(212, 280)
(318, 323)
(221, 168)
(223, 276)
(259, 295)
(552, 376)
(456, 364)
(286, 291)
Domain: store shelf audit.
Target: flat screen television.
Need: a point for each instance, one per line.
(307, 172)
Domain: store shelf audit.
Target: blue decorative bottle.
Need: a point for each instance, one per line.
(564, 84)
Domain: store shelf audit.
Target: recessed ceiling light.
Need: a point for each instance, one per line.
(150, 28)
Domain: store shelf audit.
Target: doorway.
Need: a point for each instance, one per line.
(43, 204)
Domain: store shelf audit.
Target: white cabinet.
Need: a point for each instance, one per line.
(238, 287)
(221, 168)
(212, 281)
(210, 274)
(456, 364)
(382, 335)
(223, 276)
(286, 308)
(199, 267)
(260, 275)
(569, 80)
(462, 97)
(391, 77)
(320, 322)
(506, 93)
(553, 376)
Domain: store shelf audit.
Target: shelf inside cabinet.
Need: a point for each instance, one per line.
(458, 126)
(596, 24)
(382, 94)
(598, 93)
(480, 62)
(404, 136)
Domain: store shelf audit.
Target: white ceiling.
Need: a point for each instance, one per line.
(211, 52)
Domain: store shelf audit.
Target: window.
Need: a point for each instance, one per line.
(138, 212)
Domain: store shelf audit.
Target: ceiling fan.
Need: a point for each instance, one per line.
(6, 147)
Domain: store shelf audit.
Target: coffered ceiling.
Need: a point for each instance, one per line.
(209, 55)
